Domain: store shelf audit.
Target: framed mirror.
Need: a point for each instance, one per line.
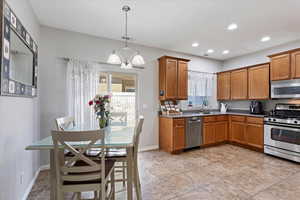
(19, 62)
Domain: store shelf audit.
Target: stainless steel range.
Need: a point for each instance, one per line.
(282, 132)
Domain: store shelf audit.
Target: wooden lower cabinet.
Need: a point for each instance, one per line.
(208, 133)
(172, 134)
(221, 133)
(178, 134)
(249, 131)
(215, 130)
(238, 132)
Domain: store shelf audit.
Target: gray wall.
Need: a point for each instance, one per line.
(257, 58)
(59, 43)
(19, 127)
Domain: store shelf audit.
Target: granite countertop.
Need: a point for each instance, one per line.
(200, 114)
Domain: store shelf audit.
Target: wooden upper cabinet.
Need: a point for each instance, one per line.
(223, 84)
(173, 78)
(295, 65)
(259, 82)
(280, 67)
(238, 84)
(182, 87)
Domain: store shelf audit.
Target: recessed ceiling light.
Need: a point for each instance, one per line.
(226, 52)
(232, 27)
(195, 44)
(210, 51)
(265, 39)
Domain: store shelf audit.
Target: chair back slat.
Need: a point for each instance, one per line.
(137, 133)
(64, 122)
(77, 143)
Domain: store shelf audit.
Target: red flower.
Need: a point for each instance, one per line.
(91, 103)
(97, 102)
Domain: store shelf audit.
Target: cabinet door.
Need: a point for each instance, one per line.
(295, 59)
(238, 132)
(171, 78)
(238, 84)
(255, 135)
(221, 131)
(178, 134)
(280, 67)
(223, 90)
(182, 92)
(259, 82)
(209, 133)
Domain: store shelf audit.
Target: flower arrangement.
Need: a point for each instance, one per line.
(100, 104)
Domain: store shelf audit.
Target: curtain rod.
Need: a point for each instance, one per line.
(201, 72)
(99, 62)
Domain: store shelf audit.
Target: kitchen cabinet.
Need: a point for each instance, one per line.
(215, 129)
(182, 89)
(247, 131)
(209, 133)
(280, 67)
(295, 65)
(172, 134)
(178, 134)
(259, 82)
(255, 132)
(239, 84)
(223, 86)
(173, 78)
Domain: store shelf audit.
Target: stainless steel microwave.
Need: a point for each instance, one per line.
(285, 89)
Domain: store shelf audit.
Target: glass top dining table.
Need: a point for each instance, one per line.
(115, 137)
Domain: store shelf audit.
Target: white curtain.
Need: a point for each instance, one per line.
(203, 85)
(82, 86)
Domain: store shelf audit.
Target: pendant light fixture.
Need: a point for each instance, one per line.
(126, 57)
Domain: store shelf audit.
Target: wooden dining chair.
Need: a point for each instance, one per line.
(80, 173)
(120, 157)
(63, 123)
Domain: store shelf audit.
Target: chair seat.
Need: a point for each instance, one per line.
(116, 153)
(109, 164)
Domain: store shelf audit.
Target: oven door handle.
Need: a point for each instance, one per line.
(284, 127)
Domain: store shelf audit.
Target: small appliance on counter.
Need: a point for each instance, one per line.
(256, 107)
(224, 107)
(282, 132)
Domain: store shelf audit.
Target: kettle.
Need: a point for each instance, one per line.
(224, 107)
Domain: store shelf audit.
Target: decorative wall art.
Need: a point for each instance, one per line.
(19, 57)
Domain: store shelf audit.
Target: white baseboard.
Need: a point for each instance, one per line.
(149, 148)
(28, 190)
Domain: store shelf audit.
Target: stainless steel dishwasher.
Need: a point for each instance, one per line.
(193, 136)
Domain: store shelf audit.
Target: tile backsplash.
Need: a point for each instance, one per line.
(267, 104)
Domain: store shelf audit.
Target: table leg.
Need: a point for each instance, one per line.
(129, 172)
(53, 194)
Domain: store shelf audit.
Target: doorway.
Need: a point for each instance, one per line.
(122, 88)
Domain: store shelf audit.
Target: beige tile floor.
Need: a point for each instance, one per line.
(218, 173)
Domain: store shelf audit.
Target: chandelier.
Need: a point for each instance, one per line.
(126, 57)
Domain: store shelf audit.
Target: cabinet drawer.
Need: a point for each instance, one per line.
(209, 119)
(222, 118)
(237, 118)
(255, 120)
(179, 122)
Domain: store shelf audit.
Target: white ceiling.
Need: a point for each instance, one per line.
(176, 24)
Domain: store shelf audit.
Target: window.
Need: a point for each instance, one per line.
(201, 91)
